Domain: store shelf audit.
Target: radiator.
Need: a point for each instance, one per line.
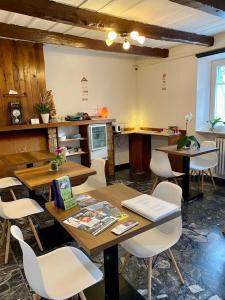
(220, 143)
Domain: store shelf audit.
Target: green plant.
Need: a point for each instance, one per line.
(214, 122)
(42, 108)
(186, 141)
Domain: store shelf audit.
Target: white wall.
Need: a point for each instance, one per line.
(111, 82)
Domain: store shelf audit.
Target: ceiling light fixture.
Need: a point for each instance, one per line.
(126, 44)
(141, 39)
(134, 35)
(112, 35)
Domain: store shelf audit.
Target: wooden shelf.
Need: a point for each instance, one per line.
(55, 125)
(76, 153)
(15, 95)
(73, 140)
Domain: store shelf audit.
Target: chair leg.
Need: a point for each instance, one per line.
(125, 262)
(7, 242)
(4, 227)
(202, 182)
(13, 195)
(150, 278)
(175, 265)
(50, 194)
(82, 296)
(35, 233)
(213, 181)
(36, 297)
(155, 184)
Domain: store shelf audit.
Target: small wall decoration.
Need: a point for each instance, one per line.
(84, 89)
(15, 113)
(164, 82)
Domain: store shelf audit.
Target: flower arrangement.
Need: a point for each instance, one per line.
(186, 141)
(58, 160)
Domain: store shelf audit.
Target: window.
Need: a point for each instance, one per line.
(218, 90)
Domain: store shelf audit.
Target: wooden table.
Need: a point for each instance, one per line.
(186, 155)
(36, 177)
(26, 158)
(115, 287)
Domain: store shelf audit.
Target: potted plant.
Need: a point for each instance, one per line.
(58, 160)
(187, 141)
(43, 109)
(214, 122)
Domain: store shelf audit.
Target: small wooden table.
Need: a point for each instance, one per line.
(36, 177)
(186, 155)
(115, 288)
(26, 158)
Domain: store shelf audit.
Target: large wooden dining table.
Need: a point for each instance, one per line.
(187, 154)
(114, 287)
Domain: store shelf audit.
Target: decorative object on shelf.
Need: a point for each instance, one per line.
(84, 89)
(186, 141)
(47, 98)
(173, 130)
(35, 121)
(77, 117)
(59, 159)
(16, 113)
(86, 116)
(214, 122)
(103, 112)
(133, 35)
(43, 109)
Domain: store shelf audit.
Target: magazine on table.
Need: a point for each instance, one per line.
(150, 207)
(96, 218)
(84, 200)
(92, 221)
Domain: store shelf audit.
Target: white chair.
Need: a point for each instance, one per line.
(15, 210)
(95, 181)
(9, 182)
(162, 238)
(60, 274)
(203, 164)
(160, 166)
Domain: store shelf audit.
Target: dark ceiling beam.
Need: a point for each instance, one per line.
(47, 37)
(58, 12)
(214, 7)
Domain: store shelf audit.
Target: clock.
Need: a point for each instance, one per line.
(15, 112)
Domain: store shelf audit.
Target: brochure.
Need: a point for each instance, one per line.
(85, 200)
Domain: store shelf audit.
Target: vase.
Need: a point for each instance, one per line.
(45, 118)
(54, 166)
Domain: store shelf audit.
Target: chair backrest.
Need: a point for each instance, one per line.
(31, 265)
(212, 158)
(160, 164)
(172, 193)
(98, 180)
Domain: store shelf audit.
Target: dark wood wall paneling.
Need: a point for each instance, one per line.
(21, 69)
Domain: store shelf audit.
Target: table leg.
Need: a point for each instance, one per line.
(186, 183)
(111, 273)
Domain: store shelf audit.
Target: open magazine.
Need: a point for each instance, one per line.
(95, 218)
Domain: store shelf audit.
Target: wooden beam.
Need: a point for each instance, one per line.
(214, 7)
(43, 36)
(58, 12)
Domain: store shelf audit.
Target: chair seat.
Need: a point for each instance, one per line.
(21, 208)
(201, 165)
(150, 243)
(66, 272)
(7, 182)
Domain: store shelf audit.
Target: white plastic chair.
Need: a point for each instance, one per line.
(159, 239)
(95, 181)
(203, 164)
(60, 274)
(9, 182)
(160, 166)
(15, 210)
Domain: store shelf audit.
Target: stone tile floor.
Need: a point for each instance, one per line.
(200, 252)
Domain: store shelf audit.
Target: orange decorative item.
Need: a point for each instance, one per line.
(104, 112)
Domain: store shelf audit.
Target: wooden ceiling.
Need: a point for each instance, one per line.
(88, 27)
